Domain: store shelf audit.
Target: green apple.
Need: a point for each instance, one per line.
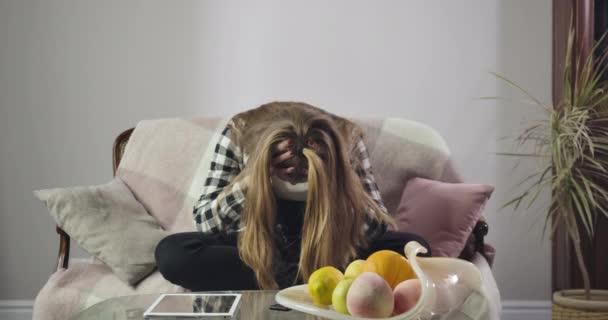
(338, 298)
(354, 269)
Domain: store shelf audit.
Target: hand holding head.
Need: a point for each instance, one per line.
(289, 162)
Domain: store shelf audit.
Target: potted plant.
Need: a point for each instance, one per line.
(572, 144)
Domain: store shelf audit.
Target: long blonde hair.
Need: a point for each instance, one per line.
(336, 203)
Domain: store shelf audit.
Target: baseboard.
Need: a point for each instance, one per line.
(511, 310)
(16, 309)
(526, 310)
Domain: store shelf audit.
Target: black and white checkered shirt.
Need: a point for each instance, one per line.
(213, 215)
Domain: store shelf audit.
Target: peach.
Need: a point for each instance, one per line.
(406, 295)
(370, 296)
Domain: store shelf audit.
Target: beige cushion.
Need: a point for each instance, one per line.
(110, 224)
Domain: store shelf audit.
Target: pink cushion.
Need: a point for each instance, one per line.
(442, 213)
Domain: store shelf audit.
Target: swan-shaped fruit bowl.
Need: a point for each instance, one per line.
(446, 283)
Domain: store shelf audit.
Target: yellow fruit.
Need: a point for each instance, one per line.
(338, 298)
(322, 283)
(354, 269)
(390, 265)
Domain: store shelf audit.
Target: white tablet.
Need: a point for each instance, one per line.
(199, 305)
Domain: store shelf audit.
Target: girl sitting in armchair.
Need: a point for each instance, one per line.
(290, 190)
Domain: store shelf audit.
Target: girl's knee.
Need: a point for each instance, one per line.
(170, 258)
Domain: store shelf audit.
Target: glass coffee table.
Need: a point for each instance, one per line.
(255, 305)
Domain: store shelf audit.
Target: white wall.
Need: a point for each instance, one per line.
(73, 74)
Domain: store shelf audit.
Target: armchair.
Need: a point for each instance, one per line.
(73, 287)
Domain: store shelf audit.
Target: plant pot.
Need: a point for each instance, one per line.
(571, 304)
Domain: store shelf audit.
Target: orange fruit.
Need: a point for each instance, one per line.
(390, 265)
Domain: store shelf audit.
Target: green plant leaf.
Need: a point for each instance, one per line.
(512, 154)
(524, 91)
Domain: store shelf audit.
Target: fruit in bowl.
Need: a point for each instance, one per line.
(354, 269)
(370, 296)
(338, 298)
(406, 295)
(381, 286)
(390, 265)
(321, 284)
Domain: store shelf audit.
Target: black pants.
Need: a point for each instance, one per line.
(202, 262)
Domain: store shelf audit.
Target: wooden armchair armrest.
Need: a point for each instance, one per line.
(480, 231)
(63, 256)
(475, 242)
